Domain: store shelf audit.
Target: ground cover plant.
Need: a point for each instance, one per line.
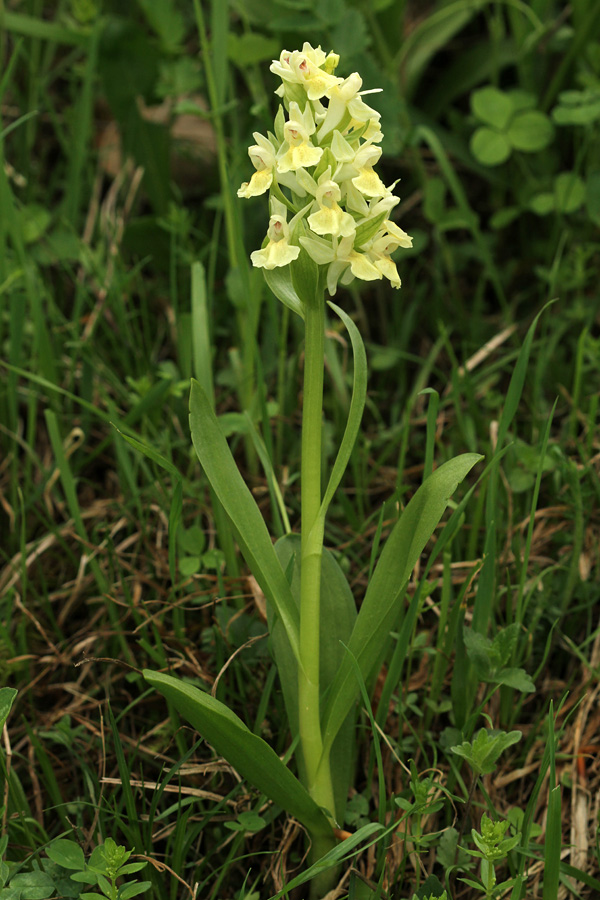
(125, 271)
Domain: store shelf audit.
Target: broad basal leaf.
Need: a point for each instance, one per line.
(239, 504)
(338, 614)
(252, 757)
(381, 605)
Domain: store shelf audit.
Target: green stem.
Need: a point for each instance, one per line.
(318, 776)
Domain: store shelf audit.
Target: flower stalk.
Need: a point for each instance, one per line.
(329, 223)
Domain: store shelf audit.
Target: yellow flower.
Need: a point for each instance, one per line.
(345, 263)
(278, 251)
(368, 181)
(385, 243)
(262, 155)
(297, 150)
(304, 67)
(330, 217)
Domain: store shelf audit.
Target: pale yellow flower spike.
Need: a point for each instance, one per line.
(326, 147)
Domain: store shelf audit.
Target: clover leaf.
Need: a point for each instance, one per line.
(508, 123)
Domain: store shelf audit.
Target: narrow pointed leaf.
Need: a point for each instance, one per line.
(252, 757)
(239, 504)
(7, 696)
(201, 342)
(381, 605)
(357, 405)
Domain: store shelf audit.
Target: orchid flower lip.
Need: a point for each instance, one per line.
(324, 148)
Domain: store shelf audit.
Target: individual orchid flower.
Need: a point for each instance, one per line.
(330, 218)
(367, 181)
(343, 261)
(345, 101)
(305, 67)
(263, 158)
(297, 151)
(278, 251)
(385, 242)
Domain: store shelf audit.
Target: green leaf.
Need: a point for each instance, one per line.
(201, 343)
(7, 697)
(491, 106)
(36, 27)
(239, 504)
(251, 48)
(338, 615)
(504, 217)
(434, 203)
(381, 605)
(126, 891)
(189, 565)
(577, 108)
(530, 131)
(85, 877)
(67, 854)
(280, 283)
(431, 889)
(592, 197)
(369, 229)
(351, 36)
(569, 192)
(246, 752)
(489, 147)
(542, 204)
(306, 278)
(357, 405)
(483, 752)
(151, 453)
(517, 679)
(167, 21)
(433, 32)
(340, 853)
(35, 220)
(129, 868)
(478, 649)
(36, 885)
(191, 540)
(522, 100)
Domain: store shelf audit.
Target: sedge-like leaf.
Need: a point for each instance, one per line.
(252, 757)
(7, 696)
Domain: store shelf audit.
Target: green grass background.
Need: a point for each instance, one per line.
(124, 271)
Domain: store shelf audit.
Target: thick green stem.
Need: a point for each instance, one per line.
(318, 776)
(318, 771)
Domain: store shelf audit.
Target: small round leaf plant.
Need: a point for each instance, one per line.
(318, 167)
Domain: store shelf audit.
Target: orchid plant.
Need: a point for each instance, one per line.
(329, 224)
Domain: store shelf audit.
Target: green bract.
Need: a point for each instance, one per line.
(323, 154)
